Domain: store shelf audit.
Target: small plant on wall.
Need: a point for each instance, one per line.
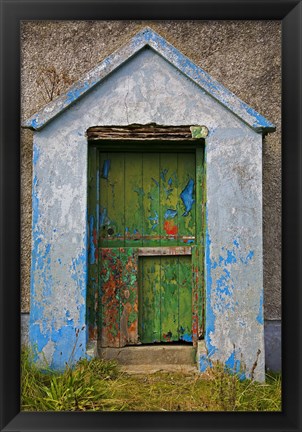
(52, 82)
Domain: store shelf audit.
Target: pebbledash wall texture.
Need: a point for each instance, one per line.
(158, 86)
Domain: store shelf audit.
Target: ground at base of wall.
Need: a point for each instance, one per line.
(99, 385)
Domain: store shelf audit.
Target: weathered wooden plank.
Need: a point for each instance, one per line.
(186, 201)
(129, 297)
(133, 199)
(185, 298)
(150, 298)
(169, 298)
(168, 215)
(110, 277)
(157, 251)
(150, 199)
(116, 200)
(93, 201)
(149, 131)
(140, 280)
(104, 220)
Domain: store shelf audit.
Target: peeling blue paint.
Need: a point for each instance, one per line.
(163, 174)
(170, 214)
(186, 337)
(155, 218)
(38, 339)
(260, 313)
(234, 366)
(75, 92)
(36, 153)
(106, 168)
(187, 196)
(69, 348)
(35, 204)
(222, 284)
(231, 258)
(260, 121)
(168, 192)
(248, 257)
(204, 363)
(91, 242)
(33, 123)
(46, 275)
(39, 259)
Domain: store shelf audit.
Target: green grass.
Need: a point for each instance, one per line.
(99, 385)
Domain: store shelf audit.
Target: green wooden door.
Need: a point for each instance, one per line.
(165, 299)
(146, 207)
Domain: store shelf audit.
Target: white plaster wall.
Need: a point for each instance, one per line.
(234, 251)
(147, 89)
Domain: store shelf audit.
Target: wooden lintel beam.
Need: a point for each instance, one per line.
(150, 131)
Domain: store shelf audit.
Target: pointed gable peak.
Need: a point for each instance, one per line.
(148, 37)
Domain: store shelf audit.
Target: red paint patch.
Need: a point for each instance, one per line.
(170, 228)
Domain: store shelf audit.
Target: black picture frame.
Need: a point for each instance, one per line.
(12, 12)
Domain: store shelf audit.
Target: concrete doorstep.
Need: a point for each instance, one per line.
(151, 359)
(167, 368)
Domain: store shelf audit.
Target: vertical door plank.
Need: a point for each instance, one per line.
(169, 298)
(150, 299)
(129, 297)
(185, 298)
(140, 297)
(151, 199)
(186, 202)
(103, 212)
(110, 276)
(168, 199)
(116, 200)
(133, 199)
(93, 220)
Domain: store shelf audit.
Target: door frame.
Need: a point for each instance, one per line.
(156, 138)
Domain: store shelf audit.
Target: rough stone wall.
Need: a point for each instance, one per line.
(245, 56)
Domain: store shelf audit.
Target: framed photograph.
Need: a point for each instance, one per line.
(107, 209)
